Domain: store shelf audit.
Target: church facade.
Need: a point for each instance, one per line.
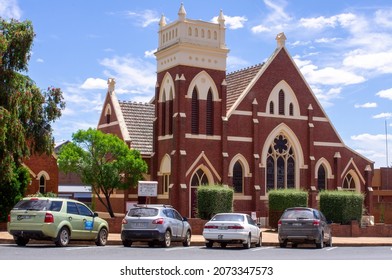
(253, 130)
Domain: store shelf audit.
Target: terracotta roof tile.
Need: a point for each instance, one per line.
(139, 118)
(238, 81)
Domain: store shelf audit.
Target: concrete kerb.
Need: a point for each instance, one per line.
(270, 238)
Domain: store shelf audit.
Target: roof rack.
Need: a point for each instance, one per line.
(153, 205)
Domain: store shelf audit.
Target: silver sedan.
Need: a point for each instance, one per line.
(231, 228)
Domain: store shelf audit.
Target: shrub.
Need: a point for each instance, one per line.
(214, 199)
(279, 200)
(341, 206)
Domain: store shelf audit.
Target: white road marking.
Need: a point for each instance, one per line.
(331, 248)
(261, 248)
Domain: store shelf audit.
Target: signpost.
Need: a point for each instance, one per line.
(148, 189)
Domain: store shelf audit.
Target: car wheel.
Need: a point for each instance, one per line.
(209, 244)
(167, 240)
(21, 241)
(102, 237)
(283, 244)
(320, 244)
(258, 244)
(63, 237)
(187, 240)
(127, 243)
(248, 243)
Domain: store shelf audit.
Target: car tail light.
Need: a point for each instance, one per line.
(210, 227)
(316, 223)
(49, 218)
(159, 221)
(235, 227)
(124, 221)
(279, 223)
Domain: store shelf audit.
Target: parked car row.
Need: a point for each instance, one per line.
(62, 220)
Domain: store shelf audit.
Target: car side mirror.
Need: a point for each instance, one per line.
(185, 219)
(95, 214)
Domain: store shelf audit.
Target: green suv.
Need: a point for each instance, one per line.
(56, 219)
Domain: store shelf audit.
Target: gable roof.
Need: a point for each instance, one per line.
(139, 118)
(238, 81)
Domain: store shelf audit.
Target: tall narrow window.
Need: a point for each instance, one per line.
(163, 116)
(42, 185)
(210, 114)
(238, 178)
(321, 178)
(291, 109)
(195, 112)
(271, 108)
(280, 171)
(165, 183)
(171, 101)
(281, 102)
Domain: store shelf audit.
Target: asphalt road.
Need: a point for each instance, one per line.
(92, 252)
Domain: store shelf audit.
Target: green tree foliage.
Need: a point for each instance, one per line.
(26, 112)
(103, 161)
(214, 199)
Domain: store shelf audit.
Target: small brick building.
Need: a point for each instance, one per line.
(253, 130)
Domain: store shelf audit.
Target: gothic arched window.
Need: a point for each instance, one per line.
(199, 178)
(349, 183)
(271, 108)
(195, 112)
(42, 184)
(163, 116)
(210, 114)
(238, 178)
(280, 172)
(321, 178)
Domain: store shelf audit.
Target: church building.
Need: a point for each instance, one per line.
(253, 130)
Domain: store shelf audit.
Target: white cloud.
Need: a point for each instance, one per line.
(94, 83)
(383, 116)
(10, 9)
(235, 22)
(234, 62)
(132, 75)
(385, 93)
(330, 76)
(150, 54)
(323, 22)
(40, 60)
(366, 105)
(145, 18)
(260, 29)
(381, 61)
(384, 18)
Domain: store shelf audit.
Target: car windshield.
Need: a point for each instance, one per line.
(38, 205)
(228, 217)
(298, 214)
(143, 212)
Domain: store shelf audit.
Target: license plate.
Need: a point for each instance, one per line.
(297, 224)
(139, 225)
(222, 227)
(23, 217)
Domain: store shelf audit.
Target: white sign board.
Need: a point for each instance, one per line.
(148, 188)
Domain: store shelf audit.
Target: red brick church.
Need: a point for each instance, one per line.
(254, 130)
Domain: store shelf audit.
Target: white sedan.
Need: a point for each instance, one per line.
(231, 228)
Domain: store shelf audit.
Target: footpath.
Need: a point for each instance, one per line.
(269, 238)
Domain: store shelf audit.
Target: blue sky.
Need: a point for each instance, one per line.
(342, 47)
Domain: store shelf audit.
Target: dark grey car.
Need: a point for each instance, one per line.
(155, 224)
(304, 225)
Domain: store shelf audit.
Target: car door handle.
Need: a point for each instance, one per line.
(70, 218)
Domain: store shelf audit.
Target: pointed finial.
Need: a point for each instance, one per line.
(281, 39)
(182, 13)
(162, 22)
(111, 84)
(221, 18)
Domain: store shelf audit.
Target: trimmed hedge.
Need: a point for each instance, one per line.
(212, 200)
(341, 206)
(279, 200)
